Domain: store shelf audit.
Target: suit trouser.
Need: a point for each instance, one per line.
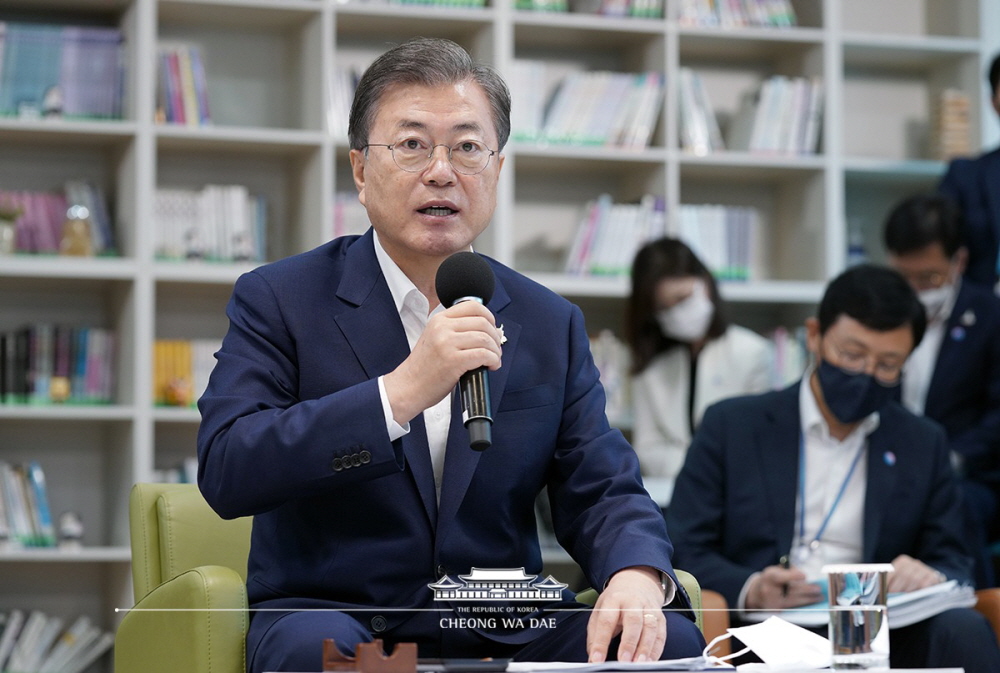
(293, 641)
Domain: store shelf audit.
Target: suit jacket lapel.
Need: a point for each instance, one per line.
(879, 490)
(375, 333)
(779, 449)
(461, 461)
(991, 178)
(949, 354)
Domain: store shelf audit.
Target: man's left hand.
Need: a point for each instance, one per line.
(632, 605)
(910, 574)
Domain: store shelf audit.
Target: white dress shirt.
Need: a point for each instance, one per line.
(828, 464)
(414, 312)
(919, 367)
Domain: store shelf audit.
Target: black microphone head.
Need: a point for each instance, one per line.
(464, 274)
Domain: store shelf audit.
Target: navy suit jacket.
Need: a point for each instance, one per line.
(294, 397)
(964, 391)
(733, 509)
(975, 185)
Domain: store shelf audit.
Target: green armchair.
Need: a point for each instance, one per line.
(189, 578)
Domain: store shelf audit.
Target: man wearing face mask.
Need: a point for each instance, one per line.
(685, 355)
(834, 470)
(953, 376)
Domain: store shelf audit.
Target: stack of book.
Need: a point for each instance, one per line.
(344, 82)
(25, 516)
(38, 643)
(640, 9)
(184, 473)
(542, 5)
(736, 13)
(790, 355)
(782, 117)
(41, 215)
(700, 132)
(182, 92)
(44, 363)
(60, 70)
(587, 108)
(181, 368)
(349, 216)
(725, 238)
(609, 234)
(217, 222)
(951, 134)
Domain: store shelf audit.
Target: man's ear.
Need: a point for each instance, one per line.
(358, 160)
(961, 259)
(812, 337)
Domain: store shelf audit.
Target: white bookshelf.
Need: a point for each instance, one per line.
(269, 64)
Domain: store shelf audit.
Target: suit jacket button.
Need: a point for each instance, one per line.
(355, 460)
(379, 624)
(338, 465)
(366, 457)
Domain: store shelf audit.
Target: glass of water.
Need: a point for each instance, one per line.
(859, 625)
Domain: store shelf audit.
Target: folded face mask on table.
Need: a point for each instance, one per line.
(779, 644)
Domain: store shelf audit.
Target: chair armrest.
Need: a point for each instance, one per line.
(196, 622)
(988, 603)
(715, 614)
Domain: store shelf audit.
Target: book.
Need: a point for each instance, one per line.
(69, 645)
(27, 641)
(904, 609)
(15, 622)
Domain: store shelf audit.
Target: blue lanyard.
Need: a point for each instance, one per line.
(802, 492)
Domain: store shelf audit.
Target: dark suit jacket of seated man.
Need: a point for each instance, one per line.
(331, 416)
(735, 510)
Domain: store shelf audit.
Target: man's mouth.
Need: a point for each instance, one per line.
(437, 211)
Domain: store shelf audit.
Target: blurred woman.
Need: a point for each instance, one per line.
(685, 355)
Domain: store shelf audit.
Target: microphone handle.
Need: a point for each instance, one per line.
(476, 417)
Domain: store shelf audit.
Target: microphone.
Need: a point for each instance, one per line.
(465, 276)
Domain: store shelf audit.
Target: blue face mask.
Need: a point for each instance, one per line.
(852, 396)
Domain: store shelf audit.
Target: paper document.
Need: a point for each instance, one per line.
(904, 608)
(686, 664)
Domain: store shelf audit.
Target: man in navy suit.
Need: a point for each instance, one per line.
(331, 417)
(953, 376)
(833, 470)
(975, 185)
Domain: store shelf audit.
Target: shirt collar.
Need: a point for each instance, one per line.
(812, 419)
(399, 285)
(949, 303)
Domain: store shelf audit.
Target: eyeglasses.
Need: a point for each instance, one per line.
(925, 280)
(468, 157)
(886, 371)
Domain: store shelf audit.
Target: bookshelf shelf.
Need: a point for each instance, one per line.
(54, 266)
(73, 556)
(90, 413)
(269, 66)
(75, 131)
(176, 415)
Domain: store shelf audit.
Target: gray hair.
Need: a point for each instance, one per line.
(427, 62)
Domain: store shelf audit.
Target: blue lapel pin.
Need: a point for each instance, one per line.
(957, 333)
(889, 457)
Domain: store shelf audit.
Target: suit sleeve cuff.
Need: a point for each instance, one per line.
(395, 429)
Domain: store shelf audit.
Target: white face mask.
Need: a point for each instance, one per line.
(781, 645)
(688, 319)
(935, 299)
